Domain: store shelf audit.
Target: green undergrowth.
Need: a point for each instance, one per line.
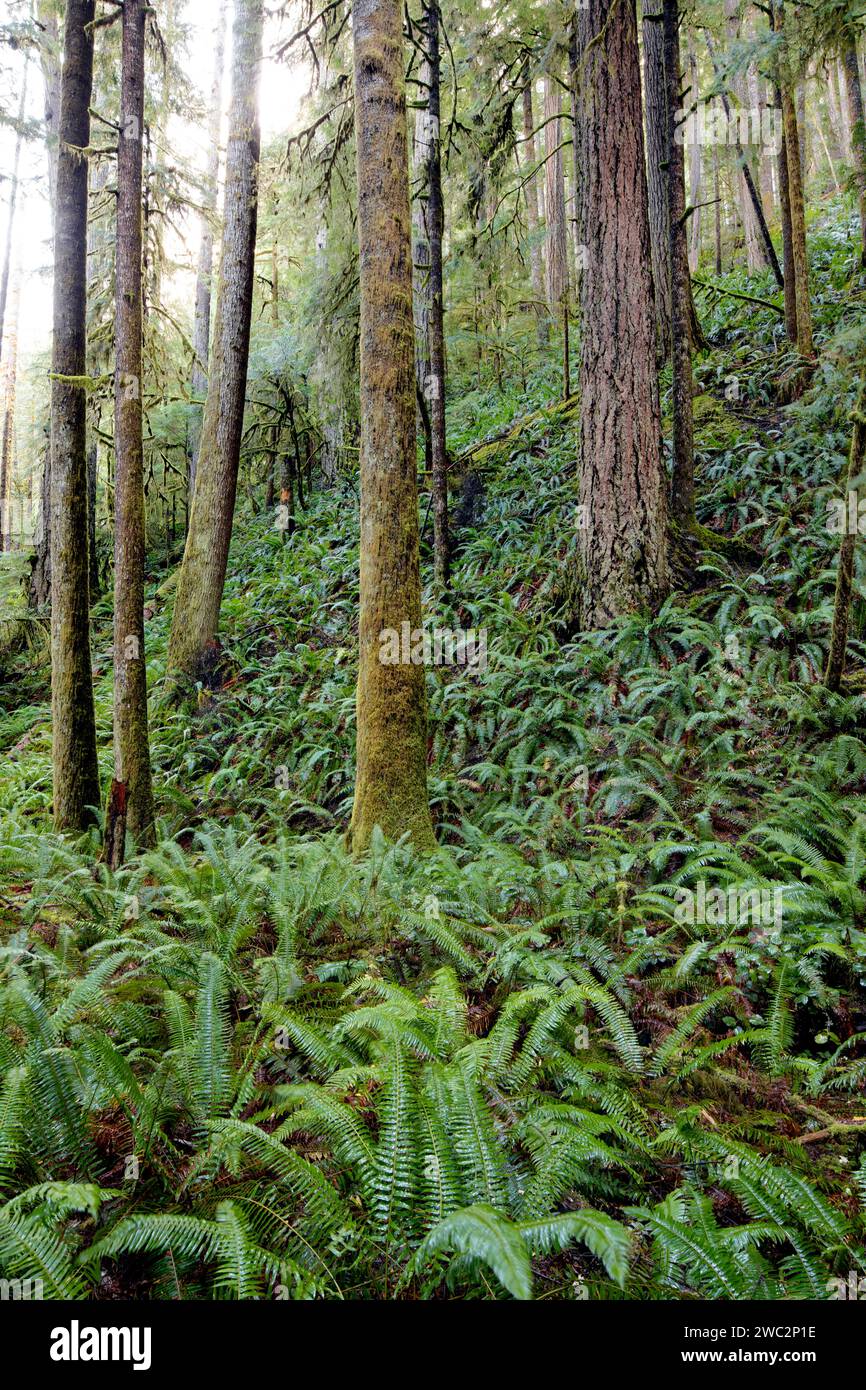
(247, 1066)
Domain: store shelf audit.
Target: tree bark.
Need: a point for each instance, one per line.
(204, 272)
(76, 778)
(798, 224)
(391, 773)
(530, 188)
(435, 385)
(623, 545)
(845, 571)
(205, 558)
(683, 479)
(656, 137)
(854, 103)
(131, 745)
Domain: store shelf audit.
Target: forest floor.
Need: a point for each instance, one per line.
(608, 1041)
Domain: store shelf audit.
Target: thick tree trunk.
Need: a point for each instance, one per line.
(656, 137)
(391, 774)
(623, 548)
(131, 746)
(533, 220)
(683, 480)
(435, 392)
(205, 558)
(854, 104)
(204, 273)
(76, 778)
(845, 571)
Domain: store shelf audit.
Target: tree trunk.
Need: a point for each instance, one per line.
(391, 775)
(798, 224)
(656, 136)
(10, 217)
(845, 571)
(76, 777)
(533, 220)
(556, 258)
(854, 103)
(435, 385)
(204, 273)
(7, 444)
(205, 558)
(49, 58)
(623, 548)
(131, 746)
(683, 480)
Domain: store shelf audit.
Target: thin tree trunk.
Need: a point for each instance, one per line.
(798, 224)
(717, 219)
(131, 745)
(623, 541)
(854, 103)
(656, 137)
(10, 220)
(790, 286)
(391, 773)
(76, 777)
(436, 381)
(204, 272)
(7, 444)
(205, 558)
(845, 570)
(532, 213)
(556, 257)
(683, 480)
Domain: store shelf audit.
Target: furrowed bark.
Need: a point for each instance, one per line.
(205, 558)
(391, 773)
(76, 779)
(623, 548)
(131, 746)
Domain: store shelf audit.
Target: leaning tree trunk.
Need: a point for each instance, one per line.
(656, 136)
(204, 273)
(683, 479)
(623, 550)
(854, 103)
(845, 572)
(76, 777)
(131, 747)
(435, 227)
(205, 557)
(391, 775)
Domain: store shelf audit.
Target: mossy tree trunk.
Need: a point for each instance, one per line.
(76, 779)
(845, 571)
(854, 103)
(205, 558)
(204, 272)
(131, 747)
(623, 530)
(683, 479)
(435, 384)
(391, 774)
